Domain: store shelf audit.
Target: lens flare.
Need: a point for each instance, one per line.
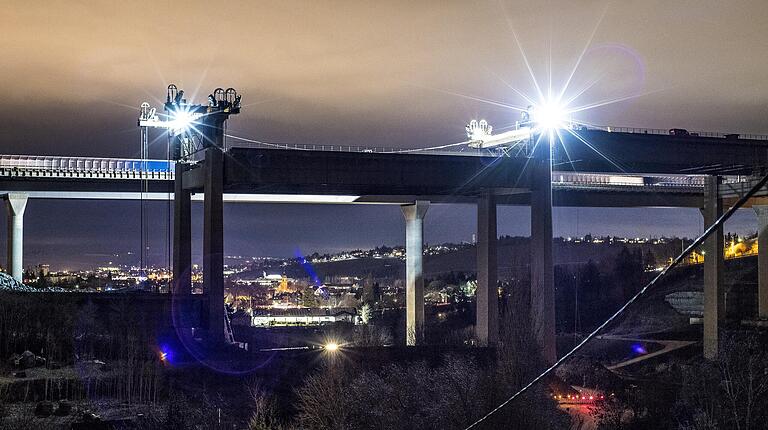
(549, 115)
(331, 346)
(639, 349)
(182, 120)
(165, 354)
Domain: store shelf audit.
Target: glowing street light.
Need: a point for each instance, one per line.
(331, 347)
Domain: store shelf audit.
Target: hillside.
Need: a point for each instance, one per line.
(513, 254)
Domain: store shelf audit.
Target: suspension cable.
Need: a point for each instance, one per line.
(717, 224)
(297, 148)
(432, 148)
(269, 144)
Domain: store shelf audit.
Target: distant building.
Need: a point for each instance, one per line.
(43, 270)
(303, 316)
(62, 278)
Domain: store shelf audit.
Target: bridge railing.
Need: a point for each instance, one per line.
(585, 179)
(671, 181)
(454, 149)
(657, 131)
(55, 166)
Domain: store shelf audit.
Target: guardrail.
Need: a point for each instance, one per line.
(86, 167)
(657, 131)
(453, 149)
(587, 179)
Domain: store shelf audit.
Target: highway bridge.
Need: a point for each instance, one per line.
(599, 168)
(68, 177)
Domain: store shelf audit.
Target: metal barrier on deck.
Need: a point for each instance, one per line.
(96, 167)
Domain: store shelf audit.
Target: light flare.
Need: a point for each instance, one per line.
(331, 347)
(550, 115)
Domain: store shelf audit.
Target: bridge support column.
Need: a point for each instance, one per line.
(414, 273)
(487, 320)
(16, 204)
(542, 266)
(762, 261)
(213, 241)
(714, 264)
(182, 234)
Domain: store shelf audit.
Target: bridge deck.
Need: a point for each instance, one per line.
(254, 174)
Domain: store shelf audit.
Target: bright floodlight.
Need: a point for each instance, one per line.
(182, 119)
(549, 116)
(332, 346)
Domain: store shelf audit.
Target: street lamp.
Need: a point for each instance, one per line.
(331, 346)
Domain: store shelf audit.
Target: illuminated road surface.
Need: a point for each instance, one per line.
(581, 413)
(669, 346)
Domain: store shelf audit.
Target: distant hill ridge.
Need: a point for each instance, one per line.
(513, 255)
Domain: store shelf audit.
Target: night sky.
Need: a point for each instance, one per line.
(395, 74)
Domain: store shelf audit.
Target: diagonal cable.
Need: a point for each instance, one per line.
(720, 221)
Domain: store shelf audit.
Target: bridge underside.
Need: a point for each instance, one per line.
(560, 198)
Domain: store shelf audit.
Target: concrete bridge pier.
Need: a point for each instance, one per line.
(213, 241)
(762, 260)
(16, 204)
(714, 265)
(542, 265)
(414, 271)
(487, 319)
(182, 234)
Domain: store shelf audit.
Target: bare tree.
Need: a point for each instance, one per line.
(322, 401)
(744, 370)
(265, 414)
